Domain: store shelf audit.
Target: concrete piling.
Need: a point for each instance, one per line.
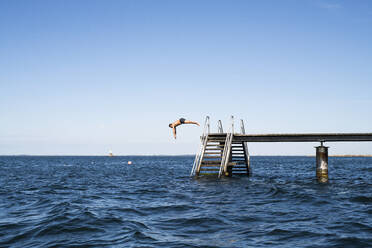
(322, 163)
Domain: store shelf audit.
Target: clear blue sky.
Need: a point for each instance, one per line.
(84, 77)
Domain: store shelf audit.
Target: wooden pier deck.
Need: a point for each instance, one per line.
(296, 137)
(226, 153)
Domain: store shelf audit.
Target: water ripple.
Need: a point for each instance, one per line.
(104, 202)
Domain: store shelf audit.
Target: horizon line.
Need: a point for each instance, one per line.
(172, 155)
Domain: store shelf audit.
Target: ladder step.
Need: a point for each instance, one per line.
(208, 174)
(207, 149)
(239, 162)
(211, 165)
(212, 153)
(235, 163)
(211, 157)
(209, 169)
(211, 162)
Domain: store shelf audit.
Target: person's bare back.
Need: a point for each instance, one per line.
(179, 122)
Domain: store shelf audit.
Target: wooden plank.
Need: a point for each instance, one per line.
(209, 169)
(211, 162)
(212, 153)
(239, 162)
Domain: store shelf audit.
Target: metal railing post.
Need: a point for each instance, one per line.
(199, 155)
(232, 124)
(242, 128)
(219, 125)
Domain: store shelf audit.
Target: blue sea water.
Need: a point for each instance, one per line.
(104, 202)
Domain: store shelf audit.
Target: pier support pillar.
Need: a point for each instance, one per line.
(322, 163)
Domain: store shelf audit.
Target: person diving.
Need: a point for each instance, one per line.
(179, 122)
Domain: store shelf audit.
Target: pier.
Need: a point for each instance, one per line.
(226, 153)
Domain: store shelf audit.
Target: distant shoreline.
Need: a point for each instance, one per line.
(181, 155)
(357, 156)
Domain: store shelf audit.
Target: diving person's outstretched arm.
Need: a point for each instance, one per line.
(174, 133)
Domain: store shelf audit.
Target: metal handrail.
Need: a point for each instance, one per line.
(247, 157)
(232, 124)
(203, 142)
(206, 129)
(242, 128)
(219, 126)
(226, 153)
(201, 155)
(197, 157)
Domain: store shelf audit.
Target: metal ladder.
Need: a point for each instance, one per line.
(221, 157)
(200, 154)
(240, 158)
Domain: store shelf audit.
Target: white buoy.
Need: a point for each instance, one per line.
(129, 162)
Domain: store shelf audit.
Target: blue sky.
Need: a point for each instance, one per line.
(84, 77)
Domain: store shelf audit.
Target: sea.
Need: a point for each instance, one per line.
(83, 201)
